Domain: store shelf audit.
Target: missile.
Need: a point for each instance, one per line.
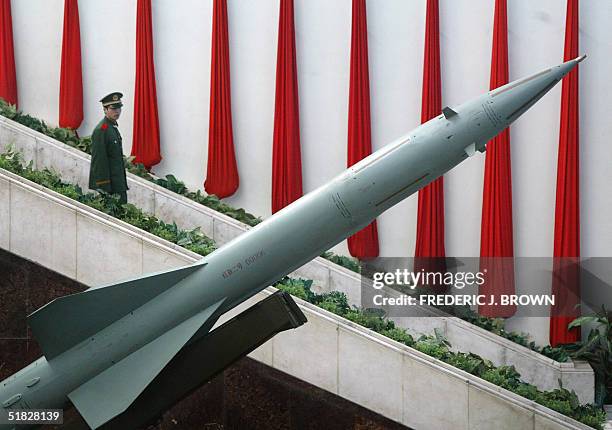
(102, 347)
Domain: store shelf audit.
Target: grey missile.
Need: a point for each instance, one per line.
(102, 347)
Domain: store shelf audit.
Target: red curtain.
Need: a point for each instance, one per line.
(222, 172)
(430, 213)
(286, 156)
(566, 252)
(364, 243)
(8, 79)
(71, 80)
(496, 241)
(145, 141)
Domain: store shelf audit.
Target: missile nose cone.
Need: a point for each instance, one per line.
(513, 99)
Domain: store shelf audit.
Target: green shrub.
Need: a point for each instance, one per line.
(497, 326)
(590, 415)
(216, 204)
(504, 376)
(334, 301)
(398, 334)
(597, 350)
(294, 290)
(202, 249)
(346, 262)
(369, 320)
(172, 184)
(528, 391)
(430, 349)
(297, 287)
(471, 363)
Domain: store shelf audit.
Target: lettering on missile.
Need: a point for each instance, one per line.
(242, 264)
(235, 268)
(253, 258)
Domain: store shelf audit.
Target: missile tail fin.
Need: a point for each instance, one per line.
(111, 392)
(470, 149)
(67, 321)
(448, 112)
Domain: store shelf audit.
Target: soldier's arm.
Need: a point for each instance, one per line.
(99, 161)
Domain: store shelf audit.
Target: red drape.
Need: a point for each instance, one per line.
(364, 243)
(145, 141)
(430, 213)
(8, 79)
(222, 172)
(566, 279)
(286, 156)
(496, 242)
(71, 79)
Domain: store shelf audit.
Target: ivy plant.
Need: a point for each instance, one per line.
(597, 351)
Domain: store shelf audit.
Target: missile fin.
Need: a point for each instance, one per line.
(470, 149)
(111, 392)
(65, 322)
(448, 112)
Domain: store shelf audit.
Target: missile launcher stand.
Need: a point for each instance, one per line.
(199, 361)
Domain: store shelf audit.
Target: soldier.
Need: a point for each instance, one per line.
(107, 171)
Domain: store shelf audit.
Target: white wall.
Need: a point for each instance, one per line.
(182, 33)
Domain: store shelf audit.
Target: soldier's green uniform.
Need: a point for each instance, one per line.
(107, 171)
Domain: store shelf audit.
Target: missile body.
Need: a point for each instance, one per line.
(102, 347)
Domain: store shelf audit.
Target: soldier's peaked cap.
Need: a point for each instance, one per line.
(112, 100)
